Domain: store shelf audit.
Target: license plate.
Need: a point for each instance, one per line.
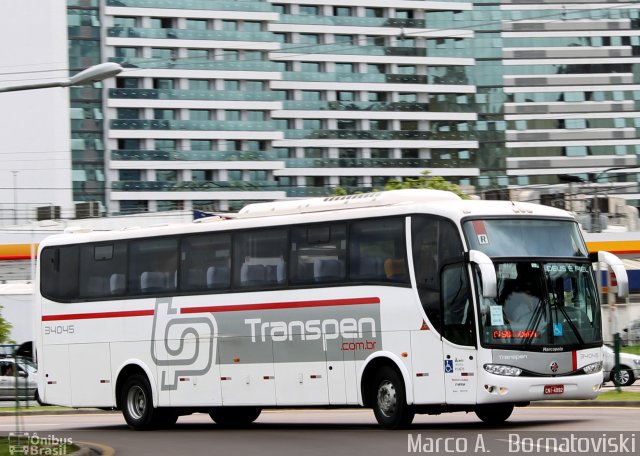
(554, 389)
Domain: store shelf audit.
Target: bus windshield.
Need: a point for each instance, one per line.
(526, 238)
(542, 303)
(546, 289)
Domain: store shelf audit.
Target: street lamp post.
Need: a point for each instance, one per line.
(92, 74)
(95, 73)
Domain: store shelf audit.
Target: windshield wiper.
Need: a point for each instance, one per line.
(556, 305)
(570, 322)
(535, 319)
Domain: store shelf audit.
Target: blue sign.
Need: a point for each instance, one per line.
(448, 366)
(557, 329)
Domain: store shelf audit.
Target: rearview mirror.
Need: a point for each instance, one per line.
(487, 273)
(619, 271)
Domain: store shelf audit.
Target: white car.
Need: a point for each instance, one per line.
(629, 367)
(23, 384)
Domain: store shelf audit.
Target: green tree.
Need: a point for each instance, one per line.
(5, 331)
(432, 182)
(339, 191)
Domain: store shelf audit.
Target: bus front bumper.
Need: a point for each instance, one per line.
(497, 388)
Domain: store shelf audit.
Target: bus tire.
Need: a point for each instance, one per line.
(234, 416)
(390, 400)
(137, 404)
(494, 413)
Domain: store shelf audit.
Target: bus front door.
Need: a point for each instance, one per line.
(458, 336)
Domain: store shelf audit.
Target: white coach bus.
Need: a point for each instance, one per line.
(408, 301)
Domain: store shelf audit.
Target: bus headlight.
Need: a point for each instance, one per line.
(500, 369)
(592, 368)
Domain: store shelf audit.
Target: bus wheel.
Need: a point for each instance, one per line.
(234, 416)
(137, 405)
(494, 413)
(389, 401)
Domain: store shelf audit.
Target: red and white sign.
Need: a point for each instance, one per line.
(481, 232)
(554, 389)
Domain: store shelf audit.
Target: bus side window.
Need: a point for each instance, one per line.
(60, 269)
(98, 263)
(377, 250)
(205, 262)
(318, 253)
(153, 265)
(259, 258)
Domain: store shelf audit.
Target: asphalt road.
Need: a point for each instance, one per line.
(351, 432)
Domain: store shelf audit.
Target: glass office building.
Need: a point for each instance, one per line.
(227, 102)
(86, 113)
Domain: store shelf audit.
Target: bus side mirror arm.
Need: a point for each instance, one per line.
(618, 269)
(487, 273)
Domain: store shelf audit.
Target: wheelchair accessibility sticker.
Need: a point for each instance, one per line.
(557, 329)
(448, 366)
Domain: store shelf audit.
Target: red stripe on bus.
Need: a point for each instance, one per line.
(228, 308)
(281, 305)
(95, 315)
(574, 359)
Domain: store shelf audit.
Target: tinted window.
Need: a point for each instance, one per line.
(59, 273)
(318, 253)
(153, 265)
(103, 270)
(260, 258)
(377, 251)
(205, 262)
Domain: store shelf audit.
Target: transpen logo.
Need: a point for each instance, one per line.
(181, 345)
(328, 329)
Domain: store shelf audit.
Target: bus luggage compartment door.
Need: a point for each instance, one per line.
(54, 367)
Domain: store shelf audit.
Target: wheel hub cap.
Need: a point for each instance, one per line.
(387, 398)
(136, 402)
(623, 376)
